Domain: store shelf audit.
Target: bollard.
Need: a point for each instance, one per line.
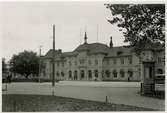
(53, 91)
(106, 99)
(14, 106)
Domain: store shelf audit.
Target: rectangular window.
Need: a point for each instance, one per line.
(82, 61)
(130, 60)
(150, 73)
(96, 62)
(159, 59)
(70, 63)
(115, 61)
(107, 62)
(75, 62)
(62, 64)
(122, 60)
(57, 64)
(89, 62)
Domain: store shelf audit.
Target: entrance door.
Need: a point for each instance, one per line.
(149, 72)
(82, 74)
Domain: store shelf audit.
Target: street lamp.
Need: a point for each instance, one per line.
(39, 63)
(53, 58)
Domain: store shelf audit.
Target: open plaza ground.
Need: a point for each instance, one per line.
(126, 93)
(46, 103)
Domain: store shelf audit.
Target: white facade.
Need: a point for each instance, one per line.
(98, 61)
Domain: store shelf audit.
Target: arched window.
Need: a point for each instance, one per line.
(122, 73)
(57, 74)
(107, 72)
(115, 73)
(62, 74)
(90, 74)
(82, 74)
(159, 71)
(75, 75)
(130, 73)
(96, 73)
(70, 74)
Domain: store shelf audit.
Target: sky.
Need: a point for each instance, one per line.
(28, 25)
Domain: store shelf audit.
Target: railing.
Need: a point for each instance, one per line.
(159, 74)
(159, 82)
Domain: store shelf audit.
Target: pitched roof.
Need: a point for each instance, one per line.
(69, 54)
(49, 54)
(93, 48)
(119, 51)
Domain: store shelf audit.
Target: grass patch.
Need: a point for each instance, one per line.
(31, 103)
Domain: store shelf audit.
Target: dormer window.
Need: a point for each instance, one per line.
(119, 52)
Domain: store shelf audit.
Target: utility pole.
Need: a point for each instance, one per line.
(53, 59)
(97, 32)
(80, 37)
(39, 63)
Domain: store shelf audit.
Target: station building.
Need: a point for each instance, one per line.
(97, 61)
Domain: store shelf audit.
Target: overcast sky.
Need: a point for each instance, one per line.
(27, 25)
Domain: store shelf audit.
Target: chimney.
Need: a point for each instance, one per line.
(59, 51)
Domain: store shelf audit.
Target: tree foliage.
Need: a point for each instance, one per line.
(25, 63)
(4, 68)
(142, 24)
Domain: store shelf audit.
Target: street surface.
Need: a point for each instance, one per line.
(117, 92)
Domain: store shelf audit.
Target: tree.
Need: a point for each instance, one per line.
(4, 68)
(141, 24)
(25, 63)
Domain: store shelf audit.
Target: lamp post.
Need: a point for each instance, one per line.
(53, 58)
(39, 63)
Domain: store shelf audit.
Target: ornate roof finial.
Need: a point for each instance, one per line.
(85, 38)
(111, 43)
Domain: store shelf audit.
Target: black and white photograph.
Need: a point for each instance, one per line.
(82, 56)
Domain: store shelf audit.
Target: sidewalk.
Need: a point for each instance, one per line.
(117, 92)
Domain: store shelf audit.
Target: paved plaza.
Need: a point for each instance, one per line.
(117, 92)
